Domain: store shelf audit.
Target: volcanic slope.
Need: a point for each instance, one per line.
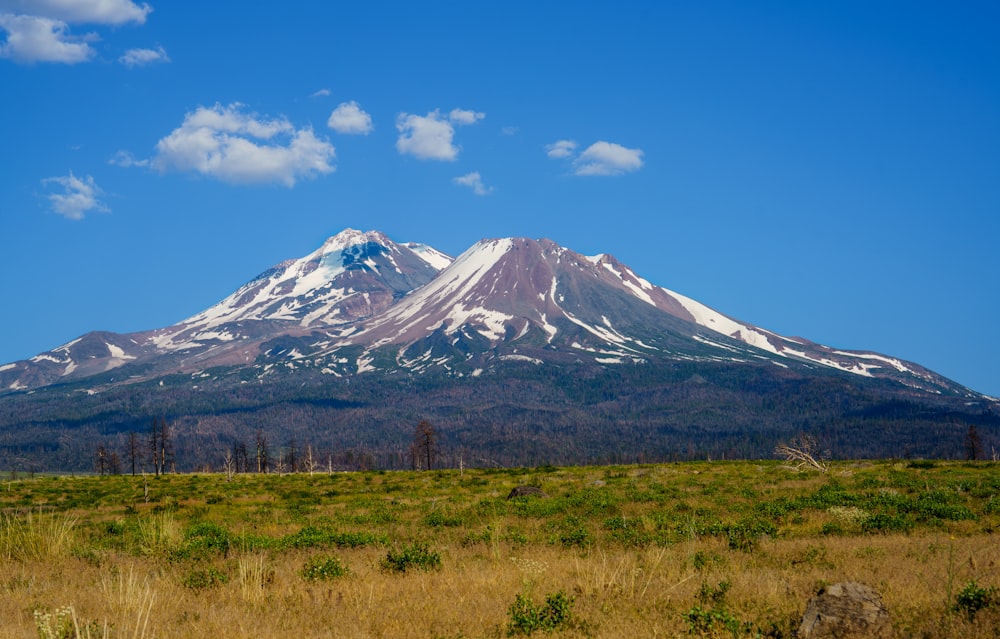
(352, 276)
(362, 303)
(535, 301)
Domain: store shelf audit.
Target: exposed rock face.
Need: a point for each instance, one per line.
(845, 610)
(526, 491)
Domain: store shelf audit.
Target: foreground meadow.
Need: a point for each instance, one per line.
(730, 549)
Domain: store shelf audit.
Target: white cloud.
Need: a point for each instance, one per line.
(233, 146)
(112, 12)
(462, 116)
(321, 93)
(125, 159)
(37, 39)
(607, 158)
(510, 130)
(78, 198)
(475, 182)
(350, 118)
(142, 57)
(560, 149)
(38, 30)
(431, 137)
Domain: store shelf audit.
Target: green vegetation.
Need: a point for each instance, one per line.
(704, 549)
(525, 616)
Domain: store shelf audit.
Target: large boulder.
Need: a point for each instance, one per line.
(845, 610)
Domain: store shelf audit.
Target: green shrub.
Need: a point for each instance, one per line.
(323, 569)
(415, 556)
(314, 537)
(885, 523)
(524, 617)
(575, 535)
(203, 579)
(437, 518)
(972, 599)
(202, 540)
(709, 622)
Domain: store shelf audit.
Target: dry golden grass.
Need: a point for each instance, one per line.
(617, 592)
(143, 591)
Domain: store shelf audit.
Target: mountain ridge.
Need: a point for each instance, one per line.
(361, 290)
(520, 351)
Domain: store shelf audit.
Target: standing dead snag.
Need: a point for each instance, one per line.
(160, 445)
(424, 449)
(802, 451)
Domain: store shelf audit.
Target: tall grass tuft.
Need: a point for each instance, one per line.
(255, 574)
(130, 599)
(36, 536)
(159, 533)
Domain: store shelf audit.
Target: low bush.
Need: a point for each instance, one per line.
(973, 598)
(525, 617)
(204, 579)
(415, 556)
(323, 569)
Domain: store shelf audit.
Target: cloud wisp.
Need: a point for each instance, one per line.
(431, 137)
(475, 182)
(560, 149)
(77, 198)
(349, 118)
(600, 158)
(144, 57)
(38, 30)
(231, 145)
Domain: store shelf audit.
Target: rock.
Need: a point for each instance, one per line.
(526, 491)
(845, 610)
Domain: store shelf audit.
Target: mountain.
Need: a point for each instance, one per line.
(537, 300)
(352, 276)
(511, 342)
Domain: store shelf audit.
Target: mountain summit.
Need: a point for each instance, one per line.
(362, 303)
(520, 351)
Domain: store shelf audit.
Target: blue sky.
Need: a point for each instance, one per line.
(826, 169)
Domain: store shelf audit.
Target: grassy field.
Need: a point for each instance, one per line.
(728, 549)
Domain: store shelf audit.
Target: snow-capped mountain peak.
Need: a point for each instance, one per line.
(410, 306)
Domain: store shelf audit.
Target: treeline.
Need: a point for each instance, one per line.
(522, 415)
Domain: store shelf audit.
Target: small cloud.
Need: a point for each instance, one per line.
(231, 145)
(37, 39)
(321, 93)
(560, 149)
(349, 118)
(475, 182)
(607, 158)
(510, 130)
(78, 197)
(143, 57)
(126, 160)
(431, 137)
(461, 116)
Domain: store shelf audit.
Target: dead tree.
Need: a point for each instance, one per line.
(424, 450)
(228, 464)
(262, 452)
(973, 445)
(134, 450)
(161, 447)
(101, 459)
(802, 452)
